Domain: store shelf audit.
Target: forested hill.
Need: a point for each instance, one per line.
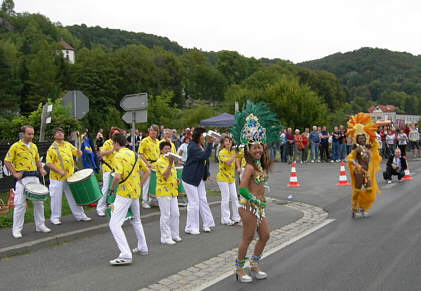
(91, 37)
(377, 75)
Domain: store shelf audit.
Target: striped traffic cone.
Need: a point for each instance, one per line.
(342, 176)
(293, 177)
(407, 174)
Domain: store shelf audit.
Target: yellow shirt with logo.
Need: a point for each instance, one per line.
(22, 157)
(149, 149)
(240, 156)
(226, 173)
(67, 152)
(108, 145)
(123, 163)
(172, 145)
(169, 186)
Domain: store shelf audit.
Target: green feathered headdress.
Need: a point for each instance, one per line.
(255, 124)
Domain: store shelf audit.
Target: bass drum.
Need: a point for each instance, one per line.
(84, 187)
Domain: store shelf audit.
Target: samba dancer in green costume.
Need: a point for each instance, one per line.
(253, 128)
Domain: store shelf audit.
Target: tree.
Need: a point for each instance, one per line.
(8, 7)
(233, 66)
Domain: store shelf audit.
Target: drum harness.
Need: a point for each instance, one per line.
(131, 171)
(59, 157)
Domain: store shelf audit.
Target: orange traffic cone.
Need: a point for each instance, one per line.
(342, 176)
(293, 177)
(407, 174)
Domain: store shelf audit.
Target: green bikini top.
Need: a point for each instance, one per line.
(260, 178)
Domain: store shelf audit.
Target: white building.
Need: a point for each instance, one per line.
(387, 112)
(67, 51)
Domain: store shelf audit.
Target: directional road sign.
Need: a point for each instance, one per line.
(79, 103)
(134, 102)
(139, 116)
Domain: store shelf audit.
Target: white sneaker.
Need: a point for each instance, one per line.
(389, 181)
(17, 234)
(119, 261)
(177, 239)
(192, 232)
(139, 252)
(146, 205)
(331, 161)
(312, 161)
(206, 229)
(56, 221)
(85, 219)
(101, 214)
(42, 228)
(168, 242)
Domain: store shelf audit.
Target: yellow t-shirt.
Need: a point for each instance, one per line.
(22, 157)
(172, 145)
(240, 156)
(67, 152)
(149, 149)
(108, 145)
(165, 187)
(123, 164)
(226, 173)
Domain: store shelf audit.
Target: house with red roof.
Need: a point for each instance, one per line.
(67, 51)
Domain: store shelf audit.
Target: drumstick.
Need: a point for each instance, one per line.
(43, 179)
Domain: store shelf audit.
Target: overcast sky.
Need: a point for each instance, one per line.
(295, 30)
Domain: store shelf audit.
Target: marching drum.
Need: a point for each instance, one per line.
(110, 200)
(180, 185)
(35, 192)
(152, 184)
(84, 187)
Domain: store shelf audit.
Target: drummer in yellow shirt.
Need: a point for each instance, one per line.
(167, 138)
(149, 153)
(59, 172)
(127, 177)
(107, 154)
(226, 182)
(22, 161)
(166, 194)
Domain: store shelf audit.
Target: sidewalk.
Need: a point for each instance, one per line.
(70, 229)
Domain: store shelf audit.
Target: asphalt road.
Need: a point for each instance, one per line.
(345, 255)
(381, 252)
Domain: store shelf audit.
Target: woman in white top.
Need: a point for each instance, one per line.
(182, 150)
(390, 143)
(402, 142)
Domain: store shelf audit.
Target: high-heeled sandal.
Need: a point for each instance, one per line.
(254, 263)
(245, 278)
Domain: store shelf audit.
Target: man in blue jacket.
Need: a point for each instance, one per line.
(314, 139)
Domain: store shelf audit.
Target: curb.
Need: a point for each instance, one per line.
(72, 235)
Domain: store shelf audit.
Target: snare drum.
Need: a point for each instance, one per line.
(152, 183)
(84, 187)
(180, 185)
(35, 192)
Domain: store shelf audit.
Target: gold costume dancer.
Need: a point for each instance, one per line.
(363, 163)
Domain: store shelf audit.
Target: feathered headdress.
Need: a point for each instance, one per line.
(359, 124)
(255, 124)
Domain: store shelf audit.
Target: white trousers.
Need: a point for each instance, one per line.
(228, 191)
(102, 202)
(56, 192)
(20, 205)
(145, 189)
(197, 203)
(118, 216)
(170, 217)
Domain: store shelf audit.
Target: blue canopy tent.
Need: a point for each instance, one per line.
(221, 120)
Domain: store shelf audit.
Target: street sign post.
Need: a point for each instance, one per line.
(79, 103)
(134, 102)
(45, 119)
(136, 111)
